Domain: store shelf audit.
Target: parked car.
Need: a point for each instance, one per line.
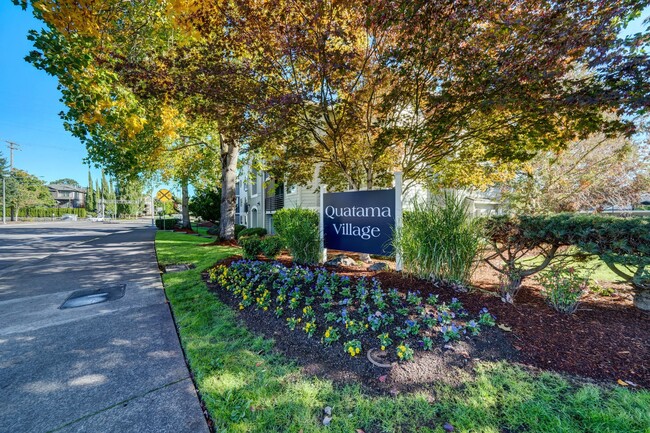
(69, 217)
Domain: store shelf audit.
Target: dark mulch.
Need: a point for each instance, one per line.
(185, 230)
(221, 243)
(606, 339)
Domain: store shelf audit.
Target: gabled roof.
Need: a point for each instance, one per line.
(64, 187)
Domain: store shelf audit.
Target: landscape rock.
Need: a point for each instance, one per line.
(327, 420)
(365, 258)
(341, 260)
(328, 410)
(379, 266)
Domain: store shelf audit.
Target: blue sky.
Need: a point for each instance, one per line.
(29, 105)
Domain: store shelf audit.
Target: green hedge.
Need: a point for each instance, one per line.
(253, 231)
(238, 229)
(47, 212)
(167, 223)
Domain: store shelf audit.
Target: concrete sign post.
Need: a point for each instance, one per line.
(398, 215)
(321, 225)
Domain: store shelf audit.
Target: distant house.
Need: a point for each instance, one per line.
(68, 196)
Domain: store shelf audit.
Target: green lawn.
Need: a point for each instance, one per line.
(248, 388)
(594, 267)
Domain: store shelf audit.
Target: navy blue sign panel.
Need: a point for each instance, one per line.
(359, 221)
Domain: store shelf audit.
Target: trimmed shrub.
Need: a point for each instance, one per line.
(271, 246)
(440, 240)
(253, 231)
(167, 223)
(512, 238)
(298, 229)
(47, 212)
(251, 246)
(622, 243)
(238, 229)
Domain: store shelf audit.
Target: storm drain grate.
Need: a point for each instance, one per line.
(81, 298)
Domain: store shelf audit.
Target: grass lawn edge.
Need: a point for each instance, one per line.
(247, 387)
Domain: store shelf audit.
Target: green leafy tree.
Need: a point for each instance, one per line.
(99, 204)
(111, 199)
(131, 197)
(4, 173)
(26, 190)
(90, 195)
(67, 181)
(206, 204)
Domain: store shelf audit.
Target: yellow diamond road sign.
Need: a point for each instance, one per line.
(164, 195)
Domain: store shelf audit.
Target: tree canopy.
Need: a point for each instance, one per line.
(455, 92)
(67, 181)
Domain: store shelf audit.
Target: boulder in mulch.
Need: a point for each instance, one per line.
(365, 258)
(341, 260)
(379, 266)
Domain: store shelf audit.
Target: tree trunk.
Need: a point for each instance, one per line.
(229, 155)
(185, 201)
(642, 299)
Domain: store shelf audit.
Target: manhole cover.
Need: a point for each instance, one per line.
(81, 298)
(178, 268)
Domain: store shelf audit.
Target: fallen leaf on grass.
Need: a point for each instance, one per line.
(504, 327)
(257, 364)
(622, 382)
(360, 431)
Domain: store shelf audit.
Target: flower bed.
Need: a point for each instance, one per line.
(355, 314)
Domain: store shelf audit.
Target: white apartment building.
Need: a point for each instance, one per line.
(259, 197)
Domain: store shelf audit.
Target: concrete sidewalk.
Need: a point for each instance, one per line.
(116, 366)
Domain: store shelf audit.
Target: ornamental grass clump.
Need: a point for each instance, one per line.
(298, 229)
(562, 288)
(440, 240)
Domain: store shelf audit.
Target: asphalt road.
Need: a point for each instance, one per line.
(115, 366)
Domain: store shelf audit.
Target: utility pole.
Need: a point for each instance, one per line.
(12, 146)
